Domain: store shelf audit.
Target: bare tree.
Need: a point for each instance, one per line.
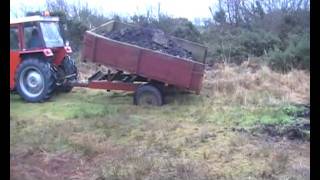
(61, 5)
(14, 13)
(159, 10)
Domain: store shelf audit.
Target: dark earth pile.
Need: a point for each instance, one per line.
(150, 38)
(297, 130)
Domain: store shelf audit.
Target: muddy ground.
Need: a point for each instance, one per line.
(150, 38)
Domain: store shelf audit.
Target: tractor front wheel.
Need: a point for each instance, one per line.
(35, 81)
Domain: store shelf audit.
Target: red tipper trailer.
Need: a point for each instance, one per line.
(144, 71)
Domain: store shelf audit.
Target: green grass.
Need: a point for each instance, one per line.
(64, 106)
(114, 114)
(95, 122)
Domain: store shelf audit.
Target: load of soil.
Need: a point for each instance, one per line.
(150, 38)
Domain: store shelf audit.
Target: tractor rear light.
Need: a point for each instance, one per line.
(47, 52)
(68, 49)
(46, 13)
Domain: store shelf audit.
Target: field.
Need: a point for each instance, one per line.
(248, 123)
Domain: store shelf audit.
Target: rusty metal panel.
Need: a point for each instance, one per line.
(110, 53)
(199, 52)
(117, 55)
(165, 68)
(150, 64)
(87, 52)
(197, 76)
(106, 27)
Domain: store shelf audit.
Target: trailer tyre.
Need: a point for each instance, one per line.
(148, 95)
(35, 80)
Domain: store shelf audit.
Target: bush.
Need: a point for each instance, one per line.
(236, 45)
(257, 43)
(296, 54)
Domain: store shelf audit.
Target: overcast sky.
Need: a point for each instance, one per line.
(178, 8)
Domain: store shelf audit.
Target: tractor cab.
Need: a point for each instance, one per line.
(39, 59)
(35, 32)
(38, 32)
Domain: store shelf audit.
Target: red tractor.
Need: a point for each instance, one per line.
(40, 61)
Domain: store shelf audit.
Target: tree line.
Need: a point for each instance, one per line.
(277, 32)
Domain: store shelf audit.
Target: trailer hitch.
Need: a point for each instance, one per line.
(64, 80)
(70, 76)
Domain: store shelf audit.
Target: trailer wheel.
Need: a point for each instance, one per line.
(35, 80)
(148, 95)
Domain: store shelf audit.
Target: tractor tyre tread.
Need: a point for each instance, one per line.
(49, 79)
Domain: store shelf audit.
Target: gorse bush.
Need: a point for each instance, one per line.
(237, 45)
(295, 55)
(257, 43)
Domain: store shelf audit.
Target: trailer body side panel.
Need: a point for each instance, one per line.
(153, 65)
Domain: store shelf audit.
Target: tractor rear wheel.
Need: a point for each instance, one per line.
(148, 95)
(35, 80)
(69, 68)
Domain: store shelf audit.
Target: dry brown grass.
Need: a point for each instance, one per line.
(249, 83)
(256, 84)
